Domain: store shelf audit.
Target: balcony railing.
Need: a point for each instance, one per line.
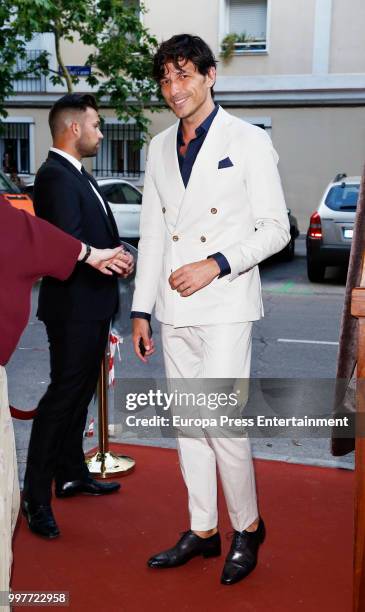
(30, 83)
(257, 45)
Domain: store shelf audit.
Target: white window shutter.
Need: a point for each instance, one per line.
(248, 16)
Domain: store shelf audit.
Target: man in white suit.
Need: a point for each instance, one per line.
(213, 209)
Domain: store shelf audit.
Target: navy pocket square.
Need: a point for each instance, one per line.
(224, 163)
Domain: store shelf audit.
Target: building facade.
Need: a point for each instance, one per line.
(296, 68)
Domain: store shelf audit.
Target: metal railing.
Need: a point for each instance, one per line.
(119, 153)
(31, 82)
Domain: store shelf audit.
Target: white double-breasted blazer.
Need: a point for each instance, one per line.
(238, 210)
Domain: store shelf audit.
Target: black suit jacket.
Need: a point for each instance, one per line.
(63, 196)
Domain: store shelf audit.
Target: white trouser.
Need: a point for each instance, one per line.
(213, 351)
(9, 486)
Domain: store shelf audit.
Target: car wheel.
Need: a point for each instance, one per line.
(315, 271)
(288, 253)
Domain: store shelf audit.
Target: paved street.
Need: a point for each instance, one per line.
(297, 339)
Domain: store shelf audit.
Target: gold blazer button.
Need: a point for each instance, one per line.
(203, 239)
(213, 211)
(175, 238)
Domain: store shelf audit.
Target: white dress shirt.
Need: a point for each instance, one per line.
(78, 165)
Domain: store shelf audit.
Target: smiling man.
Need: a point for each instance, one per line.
(213, 209)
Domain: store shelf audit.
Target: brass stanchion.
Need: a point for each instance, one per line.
(104, 463)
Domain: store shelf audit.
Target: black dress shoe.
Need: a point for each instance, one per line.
(242, 557)
(87, 487)
(190, 545)
(40, 520)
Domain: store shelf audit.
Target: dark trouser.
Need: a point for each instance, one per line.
(55, 448)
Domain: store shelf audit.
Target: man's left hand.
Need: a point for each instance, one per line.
(190, 278)
(127, 258)
(108, 261)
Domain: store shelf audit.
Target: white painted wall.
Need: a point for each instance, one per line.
(348, 37)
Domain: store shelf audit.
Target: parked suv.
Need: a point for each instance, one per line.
(331, 226)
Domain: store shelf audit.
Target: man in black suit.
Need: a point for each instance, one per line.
(76, 313)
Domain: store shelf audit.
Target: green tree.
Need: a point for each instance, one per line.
(12, 48)
(121, 62)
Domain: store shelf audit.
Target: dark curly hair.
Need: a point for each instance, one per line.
(182, 48)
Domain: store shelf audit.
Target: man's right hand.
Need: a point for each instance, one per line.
(141, 332)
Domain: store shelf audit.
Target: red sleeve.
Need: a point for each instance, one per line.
(54, 252)
(39, 248)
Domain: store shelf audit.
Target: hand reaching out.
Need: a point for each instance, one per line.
(108, 261)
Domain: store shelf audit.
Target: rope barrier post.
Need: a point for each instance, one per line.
(104, 463)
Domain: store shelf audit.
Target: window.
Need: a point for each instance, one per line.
(121, 193)
(119, 153)
(343, 197)
(14, 147)
(7, 186)
(132, 196)
(247, 24)
(31, 82)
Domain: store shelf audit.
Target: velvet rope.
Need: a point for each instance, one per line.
(22, 415)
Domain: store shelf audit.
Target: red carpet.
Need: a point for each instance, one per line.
(305, 562)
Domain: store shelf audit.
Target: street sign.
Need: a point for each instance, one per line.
(81, 71)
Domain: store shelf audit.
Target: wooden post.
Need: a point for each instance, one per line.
(358, 310)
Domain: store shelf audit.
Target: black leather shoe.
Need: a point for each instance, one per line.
(242, 557)
(190, 545)
(86, 487)
(40, 520)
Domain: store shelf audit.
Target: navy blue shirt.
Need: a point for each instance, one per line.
(186, 163)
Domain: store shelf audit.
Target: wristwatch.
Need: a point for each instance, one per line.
(87, 254)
